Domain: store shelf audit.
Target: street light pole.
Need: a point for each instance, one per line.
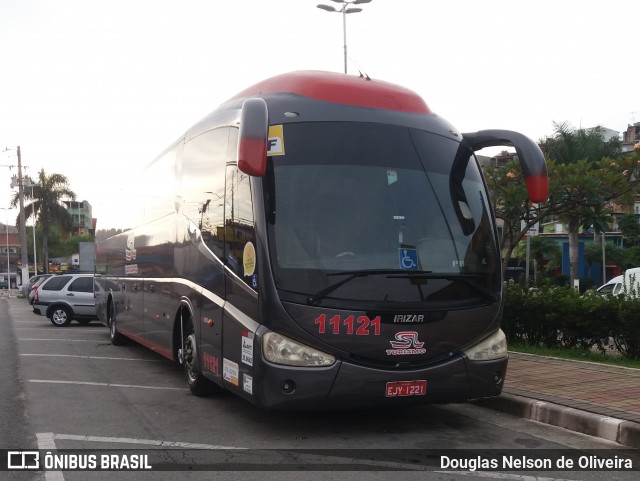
(346, 8)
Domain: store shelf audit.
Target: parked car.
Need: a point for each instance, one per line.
(614, 286)
(32, 287)
(65, 297)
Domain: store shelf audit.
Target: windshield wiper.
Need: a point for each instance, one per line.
(466, 279)
(313, 299)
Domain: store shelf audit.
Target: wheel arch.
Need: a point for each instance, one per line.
(52, 307)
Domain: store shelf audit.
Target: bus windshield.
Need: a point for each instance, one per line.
(366, 212)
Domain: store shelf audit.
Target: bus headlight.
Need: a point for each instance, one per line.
(282, 350)
(493, 347)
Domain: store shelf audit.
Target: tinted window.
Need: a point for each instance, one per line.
(240, 234)
(55, 283)
(202, 184)
(366, 200)
(82, 284)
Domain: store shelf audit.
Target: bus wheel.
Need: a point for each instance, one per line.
(198, 384)
(117, 339)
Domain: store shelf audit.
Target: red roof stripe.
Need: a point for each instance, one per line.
(342, 89)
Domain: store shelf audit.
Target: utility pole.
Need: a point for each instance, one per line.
(23, 225)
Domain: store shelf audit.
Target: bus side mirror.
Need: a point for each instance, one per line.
(532, 163)
(252, 142)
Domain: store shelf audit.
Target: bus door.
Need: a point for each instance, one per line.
(201, 240)
(241, 307)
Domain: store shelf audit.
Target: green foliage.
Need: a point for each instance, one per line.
(585, 173)
(560, 317)
(630, 228)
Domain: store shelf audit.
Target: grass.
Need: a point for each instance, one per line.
(576, 355)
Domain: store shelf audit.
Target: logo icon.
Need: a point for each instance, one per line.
(406, 343)
(130, 251)
(23, 460)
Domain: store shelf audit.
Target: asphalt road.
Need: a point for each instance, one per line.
(70, 389)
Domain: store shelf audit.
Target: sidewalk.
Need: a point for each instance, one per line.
(590, 398)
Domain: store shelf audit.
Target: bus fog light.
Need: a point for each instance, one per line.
(288, 387)
(282, 350)
(493, 347)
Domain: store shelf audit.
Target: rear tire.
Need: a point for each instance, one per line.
(117, 339)
(60, 316)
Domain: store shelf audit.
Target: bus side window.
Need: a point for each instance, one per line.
(202, 184)
(240, 236)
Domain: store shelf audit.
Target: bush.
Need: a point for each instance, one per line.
(552, 316)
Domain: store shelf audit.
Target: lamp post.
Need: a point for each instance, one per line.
(346, 8)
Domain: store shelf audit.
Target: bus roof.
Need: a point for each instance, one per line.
(342, 89)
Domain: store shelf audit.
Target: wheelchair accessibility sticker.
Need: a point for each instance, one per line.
(408, 259)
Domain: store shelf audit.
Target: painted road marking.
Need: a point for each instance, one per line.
(95, 357)
(64, 340)
(105, 384)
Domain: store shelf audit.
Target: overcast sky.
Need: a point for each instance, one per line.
(93, 89)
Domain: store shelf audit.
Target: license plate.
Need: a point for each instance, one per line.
(406, 388)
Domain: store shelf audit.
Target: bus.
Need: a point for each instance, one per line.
(318, 241)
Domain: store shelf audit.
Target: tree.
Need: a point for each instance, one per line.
(630, 228)
(585, 147)
(575, 189)
(569, 145)
(47, 207)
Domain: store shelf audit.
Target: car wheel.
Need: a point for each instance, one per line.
(60, 316)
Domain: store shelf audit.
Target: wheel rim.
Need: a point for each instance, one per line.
(188, 359)
(113, 328)
(59, 316)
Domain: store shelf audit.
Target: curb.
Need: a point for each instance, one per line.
(598, 425)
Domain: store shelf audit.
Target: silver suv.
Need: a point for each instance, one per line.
(65, 297)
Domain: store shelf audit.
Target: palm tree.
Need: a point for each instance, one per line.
(46, 206)
(585, 147)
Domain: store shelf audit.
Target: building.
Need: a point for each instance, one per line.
(9, 242)
(631, 137)
(82, 217)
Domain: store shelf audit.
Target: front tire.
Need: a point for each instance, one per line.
(198, 384)
(60, 316)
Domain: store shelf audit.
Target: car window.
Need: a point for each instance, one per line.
(82, 284)
(55, 283)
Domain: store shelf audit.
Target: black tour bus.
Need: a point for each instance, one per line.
(318, 241)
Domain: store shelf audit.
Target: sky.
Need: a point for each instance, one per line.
(95, 89)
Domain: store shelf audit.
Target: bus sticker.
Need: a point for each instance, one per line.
(408, 259)
(247, 348)
(249, 259)
(247, 383)
(275, 144)
(230, 371)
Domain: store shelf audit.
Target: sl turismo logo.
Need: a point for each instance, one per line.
(406, 343)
